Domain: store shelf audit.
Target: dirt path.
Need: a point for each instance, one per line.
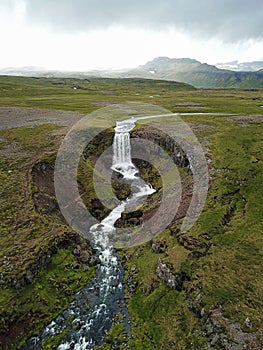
(13, 117)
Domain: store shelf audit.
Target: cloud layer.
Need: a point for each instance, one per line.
(230, 20)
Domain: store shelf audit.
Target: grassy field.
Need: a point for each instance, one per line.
(229, 277)
(39, 272)
(93, 93)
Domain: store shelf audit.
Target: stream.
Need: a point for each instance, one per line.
(91, 314)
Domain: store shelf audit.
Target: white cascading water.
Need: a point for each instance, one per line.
(104, 294)
(122, 162)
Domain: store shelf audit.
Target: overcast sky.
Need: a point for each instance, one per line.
(87, 34)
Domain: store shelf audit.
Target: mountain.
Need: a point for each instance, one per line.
(49, 73)
(242, 66)
(198, 74)
(185, 70)
(20, 70)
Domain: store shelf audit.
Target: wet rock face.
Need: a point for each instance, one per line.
(174, 281)
(166, 142)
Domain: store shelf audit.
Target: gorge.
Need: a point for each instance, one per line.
(85, 326)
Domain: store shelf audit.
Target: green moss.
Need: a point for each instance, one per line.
(32, 138)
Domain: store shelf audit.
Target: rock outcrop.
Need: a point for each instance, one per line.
(131, 282)
(84, 256)
(158, 246)
(174, 281)
(166, 142)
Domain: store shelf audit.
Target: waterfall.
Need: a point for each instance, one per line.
(121, 148)
(122, 162)
(104, 293)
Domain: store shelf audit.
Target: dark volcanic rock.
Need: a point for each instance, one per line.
(166, 142)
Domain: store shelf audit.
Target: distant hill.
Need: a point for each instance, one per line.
(241, 66)
(185, 70)
(21, 70)
(198, 74)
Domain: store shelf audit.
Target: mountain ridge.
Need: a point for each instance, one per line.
(200, 75)
(185, 70)
(241, 66)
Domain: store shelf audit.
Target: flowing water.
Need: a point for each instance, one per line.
(84, 327)
(122, 162)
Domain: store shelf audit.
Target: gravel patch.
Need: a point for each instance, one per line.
(15, 117)
(246, 119)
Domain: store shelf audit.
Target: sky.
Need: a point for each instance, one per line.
(102, 34)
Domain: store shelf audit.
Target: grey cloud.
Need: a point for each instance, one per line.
(229, 20)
